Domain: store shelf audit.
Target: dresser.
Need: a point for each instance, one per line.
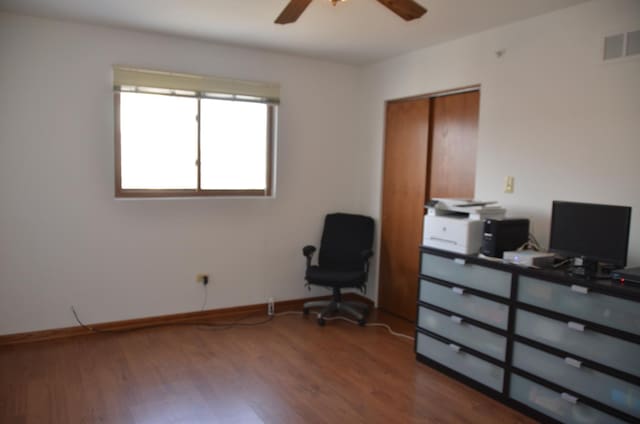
(556, 348)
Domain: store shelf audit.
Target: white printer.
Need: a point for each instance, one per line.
(456, 224)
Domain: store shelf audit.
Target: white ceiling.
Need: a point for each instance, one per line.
(356, 32)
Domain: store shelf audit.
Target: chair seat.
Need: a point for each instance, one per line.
(331, 278)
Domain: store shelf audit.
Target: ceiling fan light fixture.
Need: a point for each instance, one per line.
(334, 2)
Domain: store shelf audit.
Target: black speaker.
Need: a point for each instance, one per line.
(502, 235)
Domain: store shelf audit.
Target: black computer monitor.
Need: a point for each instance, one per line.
(596, 233)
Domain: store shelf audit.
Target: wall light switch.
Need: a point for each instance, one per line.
(508, 184)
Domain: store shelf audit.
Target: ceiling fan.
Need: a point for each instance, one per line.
(406, 9)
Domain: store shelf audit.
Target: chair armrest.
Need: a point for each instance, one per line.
(366, 254)
(308, 252)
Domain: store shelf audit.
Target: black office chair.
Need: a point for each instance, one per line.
(343, 262)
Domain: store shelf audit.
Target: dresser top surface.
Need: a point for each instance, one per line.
(606, 286)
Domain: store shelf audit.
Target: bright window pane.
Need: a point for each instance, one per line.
(233, 145)
(158, 141)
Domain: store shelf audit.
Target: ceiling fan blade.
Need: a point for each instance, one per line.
(292, 11)
(406, 9)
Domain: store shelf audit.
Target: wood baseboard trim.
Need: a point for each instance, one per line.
(183, 318)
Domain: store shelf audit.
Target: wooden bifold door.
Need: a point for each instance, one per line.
(430, 151)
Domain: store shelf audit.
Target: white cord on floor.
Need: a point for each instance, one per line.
(383, 325)
(229, 325)
(371, 324)
(279, 314)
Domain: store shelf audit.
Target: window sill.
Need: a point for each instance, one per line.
(178, 194)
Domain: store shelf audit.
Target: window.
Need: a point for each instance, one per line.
(184, 135)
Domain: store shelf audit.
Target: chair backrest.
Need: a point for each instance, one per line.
(344, 238)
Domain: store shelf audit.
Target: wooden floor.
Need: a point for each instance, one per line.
(287, 371)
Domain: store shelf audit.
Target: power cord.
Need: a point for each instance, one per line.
(229, 325)
(371, 324)
(202, 324)
(562, 263)
(281, 314)
(204, 302)
(530, 244)
(534, 242)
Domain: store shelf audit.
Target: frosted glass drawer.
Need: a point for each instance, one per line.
(456, 300)
(598, 347)
(474, 276)
(577, 301)
(464, 363)
(569, 373)
(562, 407)
(459, 331)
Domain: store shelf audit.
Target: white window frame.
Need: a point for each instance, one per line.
(127, 79)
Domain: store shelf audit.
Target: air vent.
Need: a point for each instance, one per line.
(633, 43)
(613, 46)
(621, 45)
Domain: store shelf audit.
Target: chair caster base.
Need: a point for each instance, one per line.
(354, 310)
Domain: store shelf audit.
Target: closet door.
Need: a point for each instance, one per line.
(430, 151)
(403, 191)
(454, 142)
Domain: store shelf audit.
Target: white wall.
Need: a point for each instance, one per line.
(552, 115)
(65, 240)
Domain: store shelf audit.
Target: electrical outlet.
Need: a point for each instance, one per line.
(271, 307)
(202, 279)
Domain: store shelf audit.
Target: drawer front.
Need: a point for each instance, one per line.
(484, 310)
(576, 301)
(609, 390)
(469, 275)
(464, 363)
(607, 350)
(556, 405)
(458, 331)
